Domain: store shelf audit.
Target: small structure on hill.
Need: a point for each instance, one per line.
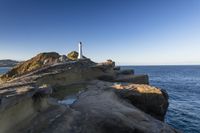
(80, 54)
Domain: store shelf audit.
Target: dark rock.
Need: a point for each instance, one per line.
(136, 79)
(126, 72)
(42, 92)
(116, 68)
(109, 78)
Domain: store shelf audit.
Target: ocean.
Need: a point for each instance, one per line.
(4, 69)
(183, 86)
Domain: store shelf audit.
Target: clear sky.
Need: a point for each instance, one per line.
(137, 32)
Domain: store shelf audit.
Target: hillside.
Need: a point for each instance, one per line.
(8, 63)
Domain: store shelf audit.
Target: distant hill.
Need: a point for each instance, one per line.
(8, 63)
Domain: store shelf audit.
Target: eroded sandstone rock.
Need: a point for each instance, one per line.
(101, 110)
(21, 103)
(151, 100)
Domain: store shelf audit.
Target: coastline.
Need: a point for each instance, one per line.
(105, 89)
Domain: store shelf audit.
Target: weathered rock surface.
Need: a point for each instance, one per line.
(104, 107)
(101, 110)
(149, 99)
(39, 61)
(19, 104)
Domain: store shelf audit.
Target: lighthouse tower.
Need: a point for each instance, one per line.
(80, 54)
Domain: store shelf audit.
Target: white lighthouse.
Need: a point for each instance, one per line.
(80, 54)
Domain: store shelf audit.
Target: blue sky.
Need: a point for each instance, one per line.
(132, 32)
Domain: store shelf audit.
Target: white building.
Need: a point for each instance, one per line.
(80, 54)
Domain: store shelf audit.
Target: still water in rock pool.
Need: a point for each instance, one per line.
(67, 95)
(68, 100)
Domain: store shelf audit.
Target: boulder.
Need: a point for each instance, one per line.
(72, 55)
(151, 100)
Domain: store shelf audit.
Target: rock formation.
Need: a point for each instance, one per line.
(72, 55)
(29, 101)
(34, 63)
(149, 99)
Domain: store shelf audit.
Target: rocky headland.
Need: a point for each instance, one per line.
(8, 63)
(53, 93)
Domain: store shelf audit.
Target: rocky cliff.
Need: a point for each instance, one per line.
(105, 98)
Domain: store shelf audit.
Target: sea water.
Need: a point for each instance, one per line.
(183, 86)
(4, 69)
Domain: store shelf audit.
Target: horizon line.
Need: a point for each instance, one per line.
(162, 65)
